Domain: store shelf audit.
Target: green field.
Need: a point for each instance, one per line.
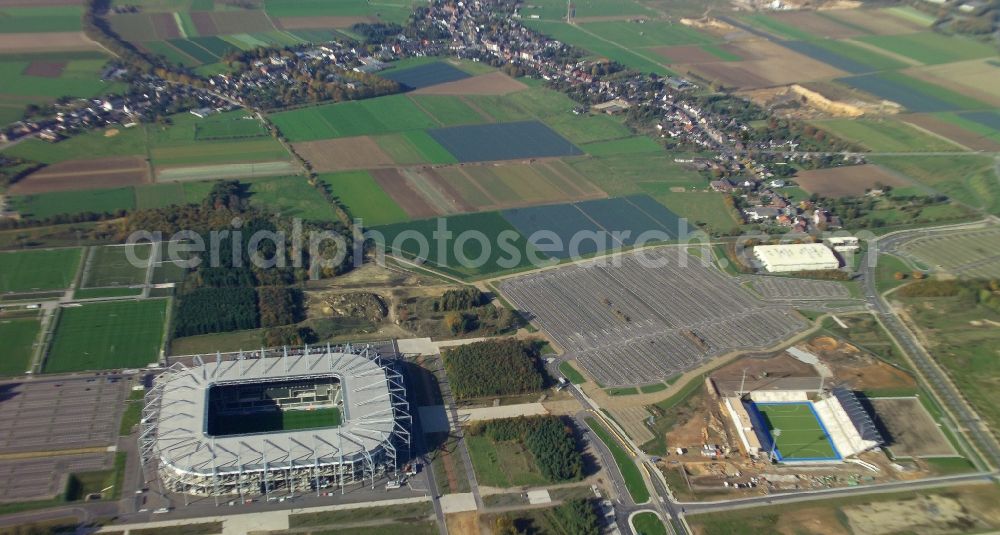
(629, 470)
(41, 19)
(931, 47)
(647, 523)
(447, 110)
(110, 266)
(37, 270)
(970, 125)
(631, 35)
(556, 9)
(278, 420)
(394, 113)
(112, 335)
(385, 12)
(778, 28)
(968, 179)
(642, 60)
(99, 201)
(363, 198)
(490, 224)
(572, 374)
(504, 464)
(701, 208)
(802, 436)
(291, 196)
(886, 135)
(89, 145)
(413, 147)
(628, 145)
(18, 337)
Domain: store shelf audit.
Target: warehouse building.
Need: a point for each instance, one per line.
(796, 257)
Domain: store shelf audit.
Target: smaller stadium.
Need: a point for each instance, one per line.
(276, 422)
(799, 423)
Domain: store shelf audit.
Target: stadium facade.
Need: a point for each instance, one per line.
(198, 434)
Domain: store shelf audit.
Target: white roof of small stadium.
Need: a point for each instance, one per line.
(367, 412)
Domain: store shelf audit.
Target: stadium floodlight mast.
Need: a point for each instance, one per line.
(775, 433)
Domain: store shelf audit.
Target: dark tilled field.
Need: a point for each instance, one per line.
(426, 75)
(504, 141)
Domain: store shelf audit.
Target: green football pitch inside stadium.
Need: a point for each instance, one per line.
(802, 435)
(271, 421)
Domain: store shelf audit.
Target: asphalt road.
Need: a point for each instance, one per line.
(965, 417)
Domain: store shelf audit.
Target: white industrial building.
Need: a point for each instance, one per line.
(796, 257)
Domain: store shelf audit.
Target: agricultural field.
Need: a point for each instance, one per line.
(931, 47)
(44, 18)
(505, 141)
(291, 196)
(767, 64)
(913, 94)
(630, 216)
(98, 201)
(18, 335)
(26, 80)
(38, 270)
(84, 174)
(96, 144)
(364, 198)
(848, 181)
(342, 154)
(971, 179)
(349, 10)
(886, 135)
(447, 110)
(112, 335)
(414, 147)
(978, 78)
(962, 128)
(482, 262)
(395, 113)
(426, 75)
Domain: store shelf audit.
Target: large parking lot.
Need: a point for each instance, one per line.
(46, 415)
(35, 479)
(635, 324)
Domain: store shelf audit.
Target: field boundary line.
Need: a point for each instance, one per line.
(939, 136)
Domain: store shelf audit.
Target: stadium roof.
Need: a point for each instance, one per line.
(860, 418)
(368, 415)
(796, 257)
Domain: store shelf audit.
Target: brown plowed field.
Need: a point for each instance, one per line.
(977, 78)
(847, 181)
(165, 25)
(12, 43)
(84, 174)
(452, 194)
(494, 83)
(343, 154)
(46, 69)
(308, 23)
(875, 21)
(953, 132)
(690, 54)
(816, 24)
(203, 23)
(401, 191)
(769, 64)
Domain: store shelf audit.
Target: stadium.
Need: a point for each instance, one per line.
(801, 423)
(279, 421)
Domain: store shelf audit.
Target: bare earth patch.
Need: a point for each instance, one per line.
(847, 181)
(689, 54)
(874, 21)
(165, 25)
(911, 430)
(45, 69)
(494, 83)
(308, 23)
(84, 174)
(403, 192)
(12, 43)
(978, 78)
(769, 64)
(343, 154)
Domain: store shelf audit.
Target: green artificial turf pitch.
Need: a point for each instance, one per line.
(271, 421)
(802, 435)
(39, 269)
(111, 335)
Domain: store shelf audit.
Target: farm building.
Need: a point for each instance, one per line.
(796, 257)
(275, 422)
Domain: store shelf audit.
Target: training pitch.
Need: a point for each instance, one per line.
(802, 436)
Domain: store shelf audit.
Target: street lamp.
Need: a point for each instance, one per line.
(775, 433)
